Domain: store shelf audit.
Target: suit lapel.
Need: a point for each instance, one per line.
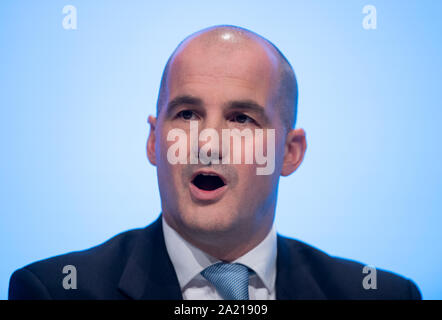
(294, 279)
(149, 273)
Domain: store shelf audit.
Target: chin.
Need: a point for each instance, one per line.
(210, 220)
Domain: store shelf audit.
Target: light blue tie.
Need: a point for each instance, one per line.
(231, 280)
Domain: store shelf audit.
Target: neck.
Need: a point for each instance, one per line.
(229, 245)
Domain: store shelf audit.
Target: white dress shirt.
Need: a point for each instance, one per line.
(189, 261)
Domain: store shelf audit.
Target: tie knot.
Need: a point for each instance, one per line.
(231, 280)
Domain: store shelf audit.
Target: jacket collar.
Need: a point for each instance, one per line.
(294, 278)
(149, 273)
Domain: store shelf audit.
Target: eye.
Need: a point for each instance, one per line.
(186, 115)
(242, 118)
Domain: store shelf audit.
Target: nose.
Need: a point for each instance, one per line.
(210, 142)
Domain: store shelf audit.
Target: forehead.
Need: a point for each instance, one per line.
(235, 68)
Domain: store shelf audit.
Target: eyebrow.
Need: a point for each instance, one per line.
(180, 100)
(251, 106)
(239, 105)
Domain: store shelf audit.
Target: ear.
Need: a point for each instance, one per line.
(150, 146)
(295, 147)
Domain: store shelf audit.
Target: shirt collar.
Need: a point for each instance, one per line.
(189, 261)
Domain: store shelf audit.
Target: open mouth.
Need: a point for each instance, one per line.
(208, 181)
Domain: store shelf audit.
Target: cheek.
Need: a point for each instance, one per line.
(169, 172)
(173, 144)
(251, 144)
(250, 183)
(253, 192)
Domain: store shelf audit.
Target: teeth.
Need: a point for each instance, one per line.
(209, 174)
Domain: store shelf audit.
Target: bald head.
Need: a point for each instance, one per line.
(228, 41)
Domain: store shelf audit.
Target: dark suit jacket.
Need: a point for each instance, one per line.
(135, 265)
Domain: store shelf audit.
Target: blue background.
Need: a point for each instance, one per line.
(73, 128)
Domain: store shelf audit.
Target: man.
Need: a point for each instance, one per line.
(215, 238)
